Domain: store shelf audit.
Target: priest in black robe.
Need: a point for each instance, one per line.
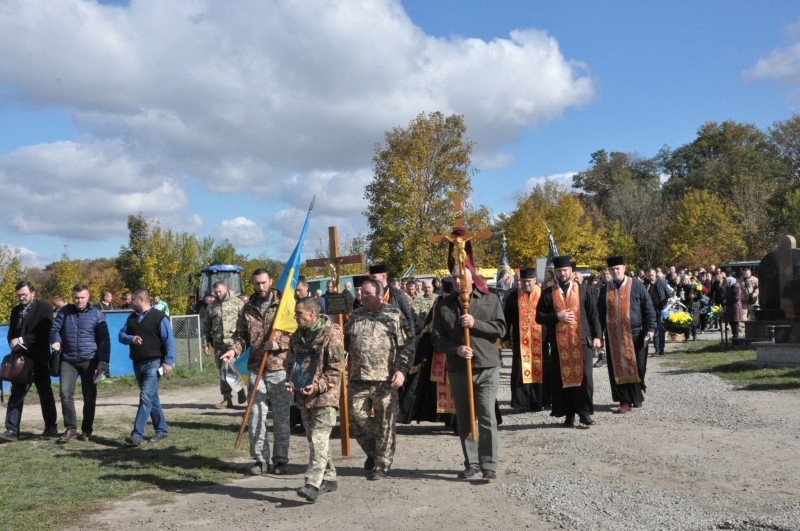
(532, 365)
(568, 312)
(419, 395)
(628, 319)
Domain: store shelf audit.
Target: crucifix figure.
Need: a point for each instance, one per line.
(459, 238)
(334, 261)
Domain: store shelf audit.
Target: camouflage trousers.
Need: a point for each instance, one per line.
(376, 435)
(270, 394)
(319, 422)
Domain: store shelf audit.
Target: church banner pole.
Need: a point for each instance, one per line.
(464, 296)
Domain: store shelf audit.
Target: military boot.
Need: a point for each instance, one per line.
(225, 404)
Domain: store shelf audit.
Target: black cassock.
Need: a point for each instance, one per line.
(571, 400)
(527, 397)
(418, 396)
(643, 320)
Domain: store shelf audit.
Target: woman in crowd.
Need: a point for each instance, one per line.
(733, 306)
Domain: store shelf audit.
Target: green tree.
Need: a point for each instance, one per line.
(551, 206)
(791, 213)
(11, 272)
(601, 182)
(702, 231)
(416, 175)
(64, 274)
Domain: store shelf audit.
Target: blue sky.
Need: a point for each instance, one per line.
(103, 118)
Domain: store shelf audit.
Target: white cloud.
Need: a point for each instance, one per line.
(29, 258)
(272, 98)
(564, 179)
(494, 161)
(241, 232)
(782, 65)
(85, 191)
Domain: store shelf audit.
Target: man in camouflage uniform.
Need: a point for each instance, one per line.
(252, 330)
(423, 304)
(219, 326)
(379, 340)
(319, 400)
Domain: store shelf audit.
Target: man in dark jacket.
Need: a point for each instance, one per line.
(628, 319)
(394, 296)
(658, 289)
(487, 324)
(80, 332)
(28, 333)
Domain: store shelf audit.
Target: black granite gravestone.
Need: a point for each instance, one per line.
(769, 288)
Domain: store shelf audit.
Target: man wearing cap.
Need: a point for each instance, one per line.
(530, 388)
(629, 320)
(394, 297)
(487, 324)
(568, 312)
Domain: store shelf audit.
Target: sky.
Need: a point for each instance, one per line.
(225, 118)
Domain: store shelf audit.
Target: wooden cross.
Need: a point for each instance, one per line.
(334, 261)
(460, 243)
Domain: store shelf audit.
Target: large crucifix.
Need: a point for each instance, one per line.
(460, 242)
(333, 262)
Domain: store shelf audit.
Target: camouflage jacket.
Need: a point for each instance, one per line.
(252, 330)
(380, 343)
(422, 305)
(219, 324)
(323, 340)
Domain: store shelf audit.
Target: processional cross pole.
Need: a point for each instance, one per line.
(460, 242)
(334, 261)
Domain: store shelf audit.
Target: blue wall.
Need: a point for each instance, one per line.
(120, 364)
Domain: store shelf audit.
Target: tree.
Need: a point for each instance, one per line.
(551, 206)
(416, 175)
(791, 213)
(347, 247)
(64, 275)
(702, 231)
(602, 180)
(11, 272)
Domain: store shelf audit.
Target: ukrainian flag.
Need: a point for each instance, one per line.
(284, 318)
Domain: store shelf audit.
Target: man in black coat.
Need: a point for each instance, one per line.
(568, 312)
(395, 297)
(29, 333)
(629, 321)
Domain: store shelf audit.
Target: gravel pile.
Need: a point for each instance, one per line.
(580, 501)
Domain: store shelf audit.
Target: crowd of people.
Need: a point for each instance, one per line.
(408, 360)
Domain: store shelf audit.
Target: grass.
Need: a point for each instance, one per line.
(736, 366)
(44, 485)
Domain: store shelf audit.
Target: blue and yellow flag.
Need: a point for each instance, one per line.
(284, 317)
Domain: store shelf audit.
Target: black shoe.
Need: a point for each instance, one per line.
(369, 464)
(7, 436)
(50, 431)
(377, 473)
(586, 419)
(157, 437)
(298, 430)
(327, 486)
(600, 363)
(489, 475)
(135, 441)
(468, 473)
(661, 353)
(279, 470)
(569, 422)
(241, 397)
(309, 492)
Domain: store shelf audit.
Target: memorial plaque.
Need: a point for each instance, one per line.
(336, 303)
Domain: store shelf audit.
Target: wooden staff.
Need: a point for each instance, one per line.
(344, 413)
(465, 311)
(255, 390)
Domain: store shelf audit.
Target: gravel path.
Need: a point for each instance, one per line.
(699, 455)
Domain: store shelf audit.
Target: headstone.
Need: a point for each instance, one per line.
(790, 290)
(770, 286)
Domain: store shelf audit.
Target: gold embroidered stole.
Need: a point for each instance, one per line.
(568, 336)
(620, 338)
(444, 398)
(530, 337)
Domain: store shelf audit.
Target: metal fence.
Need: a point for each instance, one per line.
(188, 345)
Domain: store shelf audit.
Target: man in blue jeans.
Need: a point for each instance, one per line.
(149, 334)
(659, 292)
(80, 332)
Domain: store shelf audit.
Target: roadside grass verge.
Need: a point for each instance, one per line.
(44, 485)
(737, 366)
